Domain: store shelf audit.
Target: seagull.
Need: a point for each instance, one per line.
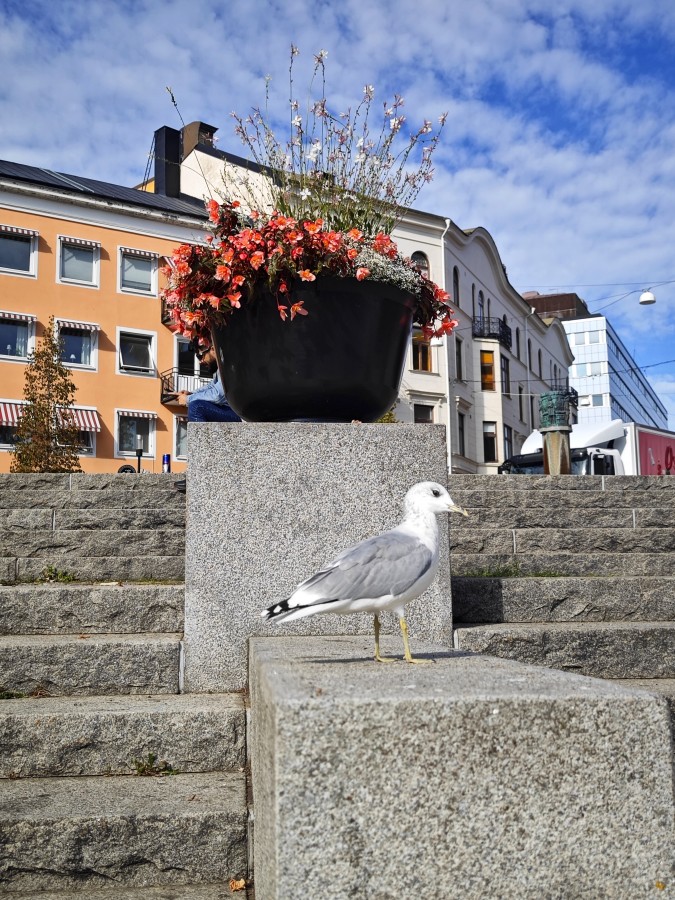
(381, 573)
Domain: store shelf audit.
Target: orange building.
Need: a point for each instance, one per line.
(89, 253)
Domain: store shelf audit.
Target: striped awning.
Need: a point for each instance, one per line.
(17, 317)
(10, 413)
(85, 419)
(135, 414)
(146, 254)
(79, 242)
(79, 326)
(23, 232)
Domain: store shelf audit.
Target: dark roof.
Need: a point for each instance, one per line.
(102, 190)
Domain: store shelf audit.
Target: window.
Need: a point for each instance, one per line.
(594, 337)
(421, 262)
(18, 250)
(598, 399)
(520, 403)
(424, 415)
(579, 338)
(508, 441)
(135, 430)
(532, 416)
(481, 306)
(539, 362)
(16, 334)
(459, 365)
(136, 353)
(518, 342)
(421, 352)
(78, 261)
(487, 370)
(506, 376)
(455, 287)
(181, 437)
(490, 441)
(78, 343)
(138, 271)
(461, 434)
(10, 412)
(529, 354)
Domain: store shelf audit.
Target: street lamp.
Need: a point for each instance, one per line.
(647, 298)
(139, 452)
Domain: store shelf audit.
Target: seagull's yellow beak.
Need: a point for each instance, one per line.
(458, 509)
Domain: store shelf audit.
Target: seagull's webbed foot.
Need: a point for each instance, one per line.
(407, 655)
(378, 658)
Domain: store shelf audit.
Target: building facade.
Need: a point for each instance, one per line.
(605, 375)
(90, 254)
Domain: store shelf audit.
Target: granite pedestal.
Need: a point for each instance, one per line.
(467, 778)
(268, 504)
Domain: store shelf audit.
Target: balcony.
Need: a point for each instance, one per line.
(173, 381)
(495, 329)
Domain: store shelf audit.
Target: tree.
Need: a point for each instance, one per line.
(46, 439)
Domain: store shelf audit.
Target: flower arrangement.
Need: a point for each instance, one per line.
(322, 205)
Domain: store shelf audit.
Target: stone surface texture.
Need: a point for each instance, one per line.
(469, 777)
(91, 664)
(94, 832)
(106, 735)
(268, 504)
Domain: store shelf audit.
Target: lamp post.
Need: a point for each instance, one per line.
(139, 452)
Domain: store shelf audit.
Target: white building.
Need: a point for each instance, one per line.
(484, 380)
(605, 375)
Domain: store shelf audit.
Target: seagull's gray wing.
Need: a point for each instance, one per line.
(387, 564)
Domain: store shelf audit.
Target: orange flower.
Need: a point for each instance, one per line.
(355, 234)
(362, 273)
(234, 298)
(283, 311)
(297, 310)
(238, 280)
(313, 227)
(306, 275)
(257, 259)
(352, 253)
(214, 209)
(223, 273)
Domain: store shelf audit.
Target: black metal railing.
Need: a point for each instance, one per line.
(173, 381)
(495, 329)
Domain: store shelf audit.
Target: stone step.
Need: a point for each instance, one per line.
(493, 600)
(66, 499)
(565, 484)
(87, 482)
(49, 520)
(63, 736)
(90, 664)
(603, 650)
(574, 540)
(219, 891)
(94, 568)
(92, 832)
(566, 517)
(91, 608)
(556, 565)
(85, 542)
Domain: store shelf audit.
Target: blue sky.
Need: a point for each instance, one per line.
(560, 137)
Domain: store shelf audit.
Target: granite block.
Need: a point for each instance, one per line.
(268, 504)
(469, 777)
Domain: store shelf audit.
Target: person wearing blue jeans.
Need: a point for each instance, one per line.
(209, 403)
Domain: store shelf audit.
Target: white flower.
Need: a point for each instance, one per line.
(314, 151)
(369, 91)
(296, 122)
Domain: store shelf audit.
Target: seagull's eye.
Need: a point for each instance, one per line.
(436, 493)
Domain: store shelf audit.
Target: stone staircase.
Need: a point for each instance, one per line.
(574, 573)
(91, 594)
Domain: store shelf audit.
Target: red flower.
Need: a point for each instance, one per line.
(297, 310)
(362, 273)
(306, 275)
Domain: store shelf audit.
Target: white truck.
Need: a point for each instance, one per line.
(608, 448)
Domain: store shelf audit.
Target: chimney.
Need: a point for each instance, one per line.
(167, 161)
(197, 133)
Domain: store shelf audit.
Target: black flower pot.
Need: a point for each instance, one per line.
(342, 361)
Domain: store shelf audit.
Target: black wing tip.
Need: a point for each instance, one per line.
(277, 609)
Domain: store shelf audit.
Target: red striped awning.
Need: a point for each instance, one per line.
(85, 419)
(147, 254)
(10, 413)
(79, 326)
(17, 317)
(79, 242)
(12, 229)
(135, 414)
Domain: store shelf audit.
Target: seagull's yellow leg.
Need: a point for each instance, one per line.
(379, 658)
(406, 646)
